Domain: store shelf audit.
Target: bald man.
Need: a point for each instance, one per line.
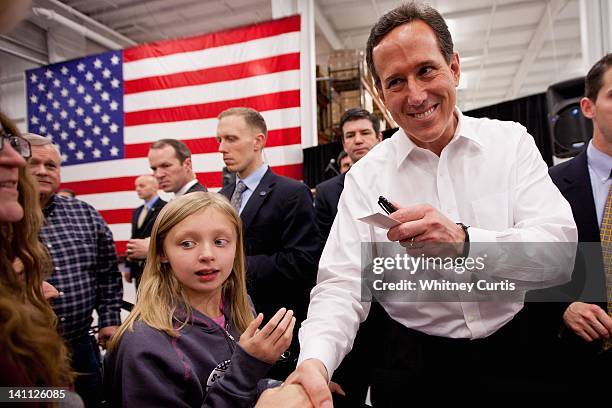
(143, 219)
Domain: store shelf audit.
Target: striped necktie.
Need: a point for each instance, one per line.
(606, 247)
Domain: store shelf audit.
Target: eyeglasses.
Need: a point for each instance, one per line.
(20, 145)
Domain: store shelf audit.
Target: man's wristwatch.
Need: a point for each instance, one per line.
(466, 241)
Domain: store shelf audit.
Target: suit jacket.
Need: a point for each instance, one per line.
(196, 187)
(144, 231)
(281, 244)
(326, 204)
(573, 180)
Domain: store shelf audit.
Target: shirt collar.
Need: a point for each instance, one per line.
(464, 130)
(151, 202)
(253, 179)
(186, 187)
(600, 162)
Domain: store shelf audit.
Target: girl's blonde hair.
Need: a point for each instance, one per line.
(160, 293)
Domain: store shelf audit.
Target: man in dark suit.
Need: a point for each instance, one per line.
(360, 133)
(170, 160)
(143, 219)
(585, 182)
(280, 234)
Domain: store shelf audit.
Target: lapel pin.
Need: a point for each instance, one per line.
(262, 193)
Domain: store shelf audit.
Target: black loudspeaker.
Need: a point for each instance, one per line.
(228, 177)
(570, 130)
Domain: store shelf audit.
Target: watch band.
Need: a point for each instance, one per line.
(466, 241)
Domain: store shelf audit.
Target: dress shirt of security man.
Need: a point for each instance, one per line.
(85, 269)
(441, 168)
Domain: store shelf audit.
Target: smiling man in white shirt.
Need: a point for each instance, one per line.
(446, 172)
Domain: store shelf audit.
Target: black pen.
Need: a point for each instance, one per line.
(386, 205)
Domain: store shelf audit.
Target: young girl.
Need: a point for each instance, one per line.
(178, 346)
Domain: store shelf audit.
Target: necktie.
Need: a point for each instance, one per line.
(236, 200)
(142, 216)
(606, 247)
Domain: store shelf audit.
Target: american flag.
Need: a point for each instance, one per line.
(105, 110)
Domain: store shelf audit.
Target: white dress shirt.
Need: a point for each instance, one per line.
(491, 176)
(600, 165)
(186, 187)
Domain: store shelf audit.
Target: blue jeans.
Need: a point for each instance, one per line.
(86, 362)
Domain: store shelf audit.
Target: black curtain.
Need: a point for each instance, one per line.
(531, 112)
(317, 159)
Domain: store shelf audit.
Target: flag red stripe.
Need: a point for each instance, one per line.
(209, 179)
(278, 100)
(217, 39)
(248, 69)
(117, 216)
(278, 137)
(120, 247)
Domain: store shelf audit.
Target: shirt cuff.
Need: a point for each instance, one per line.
(319, 350)
(481, 235)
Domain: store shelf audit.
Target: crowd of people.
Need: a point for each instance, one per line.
(253, 296)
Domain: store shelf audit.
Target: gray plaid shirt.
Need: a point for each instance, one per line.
(84, 266)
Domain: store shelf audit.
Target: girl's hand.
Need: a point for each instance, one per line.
(267, 344)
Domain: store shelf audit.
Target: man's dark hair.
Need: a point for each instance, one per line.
(594, 79)
(181, 151)
(341, 156)
(356, 114)
(404, 14)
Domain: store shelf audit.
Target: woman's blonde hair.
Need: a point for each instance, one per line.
(28, 333)
(160, 293)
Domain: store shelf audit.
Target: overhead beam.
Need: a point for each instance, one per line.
(551, 12)
(326, 28)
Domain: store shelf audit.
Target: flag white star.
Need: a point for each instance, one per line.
(87, 98)
(71, 124)
(49, 95)
(88, 121)
(56, 83)
(113, 128)
(97, 153)
(80, 155)
(81, 67)
(105, 118)
(115, 83)
(114, 59)
(64, 135)
(49, 117)
(71, 102)
(114, 151)
(79, 111)
(106, 73)
(56, 126)
(114, 105)
(56, 105)
(105, 141)
(49, 74)
(98, 86)
(34, 99)
(33, 78)
(72, 80)
(88, 143)
(64, 92)
(80, 89)
(105, 96)
(80, 132)
(42, 108)
(96, 109)
(96, 130)
(64, 157)
(34, 120)
(71, 145)
(63, 114)
(97, 63)
(64, 70)
(41, 87)
(89, 76)
(43, 129)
